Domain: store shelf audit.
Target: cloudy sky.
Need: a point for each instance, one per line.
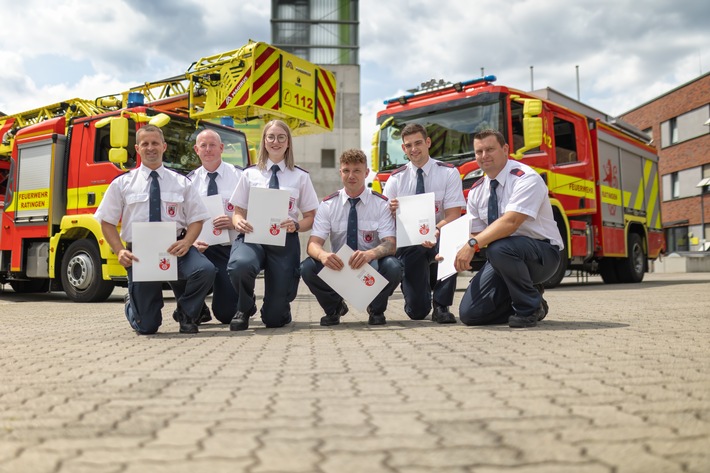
(627, 51)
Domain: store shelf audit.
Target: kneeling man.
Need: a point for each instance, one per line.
(360, 218)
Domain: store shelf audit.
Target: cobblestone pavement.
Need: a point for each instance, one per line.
(615, 380)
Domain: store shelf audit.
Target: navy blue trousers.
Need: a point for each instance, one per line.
(281, 277)
(419, 281)
(329, 300)
(224, 296)
(195, 277)
(505, 284)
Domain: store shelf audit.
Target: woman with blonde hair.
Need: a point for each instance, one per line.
(275, 169)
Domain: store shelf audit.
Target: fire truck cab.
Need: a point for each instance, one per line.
(601, 175)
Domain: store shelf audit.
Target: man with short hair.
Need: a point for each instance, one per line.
(215, 177)
(424, 174)
(153, 193)
(358, 217)
(511, 217)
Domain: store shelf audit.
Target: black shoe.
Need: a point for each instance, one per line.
(241, 320)
(441, 315)
(186, 324)
(517, 321)
(334, 319)
(205, 315)
(546, 308)
(377, 319)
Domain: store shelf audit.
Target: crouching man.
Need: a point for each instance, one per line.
(360, 218)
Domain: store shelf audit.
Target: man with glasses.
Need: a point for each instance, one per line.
(422, 175)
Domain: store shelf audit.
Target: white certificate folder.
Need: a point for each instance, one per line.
(416, 220)
(151, 241)
(453, 237)
(267, 209)
(210, 234)
(357, 286)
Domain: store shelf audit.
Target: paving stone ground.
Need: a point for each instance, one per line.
(615, 380)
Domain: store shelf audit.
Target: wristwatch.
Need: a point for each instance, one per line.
(296, 225)
(473, 243)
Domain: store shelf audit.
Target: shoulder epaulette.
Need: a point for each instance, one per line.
(332, 196)
(238, 167)
(399, 169)
(517, 172)
(297, 167)
(191, 174)
(446, 165)
(476, 184)
(123, 174)
(250, 166)
(377, 194)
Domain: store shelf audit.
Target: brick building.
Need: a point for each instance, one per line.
(679, 123)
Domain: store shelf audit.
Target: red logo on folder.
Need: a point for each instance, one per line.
(274, 230)
(164, 264)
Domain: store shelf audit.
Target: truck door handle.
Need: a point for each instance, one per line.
(91, 198)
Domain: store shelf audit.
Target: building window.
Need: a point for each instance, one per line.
(327, 158)
(675, 186)
(677, 239)
(685, 127)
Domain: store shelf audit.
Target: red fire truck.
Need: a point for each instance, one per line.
(601, 174)
(57, 161)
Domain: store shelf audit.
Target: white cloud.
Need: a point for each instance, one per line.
(627, 53)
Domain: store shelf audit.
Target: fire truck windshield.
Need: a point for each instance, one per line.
(180, 135)
(450, 129)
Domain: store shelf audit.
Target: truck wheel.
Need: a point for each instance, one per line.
(607, 270)
(27, 287)
(631, 269)
(556, 278)
(81, 273)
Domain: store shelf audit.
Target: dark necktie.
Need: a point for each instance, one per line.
(154, 208)
(212, 185)
(352, 224)
(493, 203)
(274, 182)
(420, 181)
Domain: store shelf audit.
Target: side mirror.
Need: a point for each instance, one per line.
(119, 132)
(118, 156)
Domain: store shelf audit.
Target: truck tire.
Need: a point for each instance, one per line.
(556, 278)
(81, 273)
(607, 270)
(27, 287)
(632, 268)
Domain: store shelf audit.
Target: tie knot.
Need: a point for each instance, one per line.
(353, 202)
(154, 174)
(275, 168)
(420, 171)
(212, 175)
(494, 183)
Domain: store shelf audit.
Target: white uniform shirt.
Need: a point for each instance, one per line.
(127, 200)
(297, 181)
(521, 190)
(227, 179)
(374, 220)
(442, 179)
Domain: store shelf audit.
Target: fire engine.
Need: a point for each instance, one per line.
(601, 174)
(57, 161)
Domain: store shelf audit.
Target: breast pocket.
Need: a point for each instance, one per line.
(367, 231)
(136, 199)
(172, 204)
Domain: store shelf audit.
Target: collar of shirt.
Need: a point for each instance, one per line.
(281, 165)
(344, 197)
(219, 171)
(502, 176)
(426, 168)
(145, 171)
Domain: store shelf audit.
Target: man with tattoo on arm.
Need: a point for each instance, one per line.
(360, 218)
